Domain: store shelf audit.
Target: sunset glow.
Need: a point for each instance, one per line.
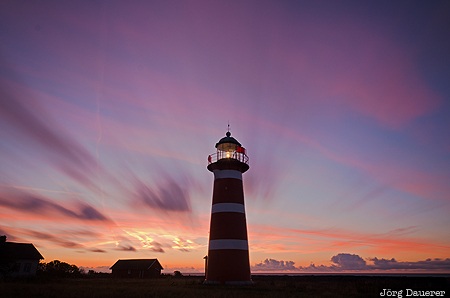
(109, 110)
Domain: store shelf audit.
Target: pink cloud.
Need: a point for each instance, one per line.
(407, 177)
(342, 62)
(345, 262)
(345, 64)
(369, 71)
(274, 265)
(304, 240)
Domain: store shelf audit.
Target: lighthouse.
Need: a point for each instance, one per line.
(228, 255)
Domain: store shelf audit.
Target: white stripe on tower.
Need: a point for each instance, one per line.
(228, 207)
(228, 244)
(219, 174)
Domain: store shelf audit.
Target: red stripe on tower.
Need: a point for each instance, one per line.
(228, 254)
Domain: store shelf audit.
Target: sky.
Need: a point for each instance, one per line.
(109, 109)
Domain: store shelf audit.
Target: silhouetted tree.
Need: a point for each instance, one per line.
(177, 274)
(59, 269)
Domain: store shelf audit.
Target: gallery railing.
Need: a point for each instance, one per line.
(242, 157)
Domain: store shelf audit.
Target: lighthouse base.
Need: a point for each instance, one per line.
(228, 266)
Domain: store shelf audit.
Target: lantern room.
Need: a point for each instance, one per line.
(228, 149)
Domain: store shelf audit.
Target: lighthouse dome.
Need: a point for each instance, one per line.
(227, 141)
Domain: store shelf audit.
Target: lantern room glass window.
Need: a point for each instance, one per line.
(228, 148)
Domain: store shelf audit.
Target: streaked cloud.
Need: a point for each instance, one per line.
(184, 245)
(97, 250)
(147, 242)
(167, 196)
(55, 239)
(126, 248)
(29, 203)
(25, 119)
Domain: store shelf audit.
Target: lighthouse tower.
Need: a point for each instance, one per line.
(228, 256)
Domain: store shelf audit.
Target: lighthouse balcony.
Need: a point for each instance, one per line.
(228, 155)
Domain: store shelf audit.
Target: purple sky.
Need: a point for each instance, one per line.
(108, 110)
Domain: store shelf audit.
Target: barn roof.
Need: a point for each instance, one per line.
(19, 251)
(139, 264)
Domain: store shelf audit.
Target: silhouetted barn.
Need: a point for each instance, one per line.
(137, 268)
(18, 259)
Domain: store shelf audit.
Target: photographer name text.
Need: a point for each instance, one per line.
(411, 293)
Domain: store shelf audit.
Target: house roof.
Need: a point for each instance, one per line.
(19, 251)
(139, 264)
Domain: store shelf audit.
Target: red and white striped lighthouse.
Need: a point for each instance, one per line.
(228, 255)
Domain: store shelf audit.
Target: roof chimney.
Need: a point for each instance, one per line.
(2, 239)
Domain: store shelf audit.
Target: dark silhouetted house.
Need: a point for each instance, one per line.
(18, 259)
(137, 268)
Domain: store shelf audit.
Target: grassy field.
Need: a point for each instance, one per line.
(264, 286)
